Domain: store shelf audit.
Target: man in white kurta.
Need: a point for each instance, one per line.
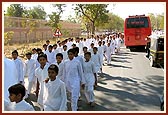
(30, 66)
(100, 52)
(73, 76)
(97, 61)
(19, 67)
(10, 78)
(113, 45)
(41, 75)
(89, 70)
(55, 98)
(108, 53)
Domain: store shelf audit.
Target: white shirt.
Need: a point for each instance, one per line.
(10, 76)
(50, 57)
(30, 66)
(19, 67)
(97, 61)
(88, 71)
(55, 98)
(34, 56)
(21, 106)
(60, 49)
(41, 74)
(73, 74)
(65, 55)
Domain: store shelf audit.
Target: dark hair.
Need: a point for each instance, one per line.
(59, 54)
(54, 45)
(95, 48)
(53, 67)
(47, 40)
(45, 45)
(15, 51)
(92, 44)
(34, 49)
(39, 49)
(29, 53)
(16, 89)
(71, 50)
(76, 49)
(88, 53)
(73, 44)
(85, 48)
(42, 55)
(100, 42)
(50, 46)
(64, 46)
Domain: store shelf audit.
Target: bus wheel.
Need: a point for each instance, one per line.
(152, 62)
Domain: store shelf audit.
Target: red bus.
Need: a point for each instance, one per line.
(136, 29)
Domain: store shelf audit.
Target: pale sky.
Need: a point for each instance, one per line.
(122, 9)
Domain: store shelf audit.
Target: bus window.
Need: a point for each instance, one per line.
(138, 22)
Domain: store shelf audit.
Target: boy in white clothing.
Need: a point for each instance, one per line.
(73, 77)
(60, 64)
(41, 73)
(19, 66)
(30, 66)
(16, 94)
(64, 53)
(97, 61)
(55, 98)
(91, 78)
(108, 53)
(50, 55)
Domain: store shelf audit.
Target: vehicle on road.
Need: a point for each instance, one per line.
(136, 29)
(157, 50)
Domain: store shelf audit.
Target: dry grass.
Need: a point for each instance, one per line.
(24, 48)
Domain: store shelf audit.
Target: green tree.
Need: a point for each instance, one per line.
(37, 12)
(8, 37)
(54, 18)
(93, 12)
(15, 10)
(157, 21)
(114, 23)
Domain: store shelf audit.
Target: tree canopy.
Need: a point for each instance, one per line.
(92, 12)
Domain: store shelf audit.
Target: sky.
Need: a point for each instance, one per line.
(122, 9)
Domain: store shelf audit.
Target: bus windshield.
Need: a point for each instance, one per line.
(138, 22)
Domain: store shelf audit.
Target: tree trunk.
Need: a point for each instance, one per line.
(93, 28)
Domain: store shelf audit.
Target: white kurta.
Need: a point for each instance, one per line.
(73, 76)
(97, 61)
(30, 66)
(55, 98)
(100, 52)
(34, 56)
(50, 57)
(108, 54)
(113, 45)
(21, 106)
(41, 74)
(60, 49)
(89, 70)
(10, 78)
(91, 50)
(65, 55)
(19, 67)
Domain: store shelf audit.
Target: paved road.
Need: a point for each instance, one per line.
(128, 84)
